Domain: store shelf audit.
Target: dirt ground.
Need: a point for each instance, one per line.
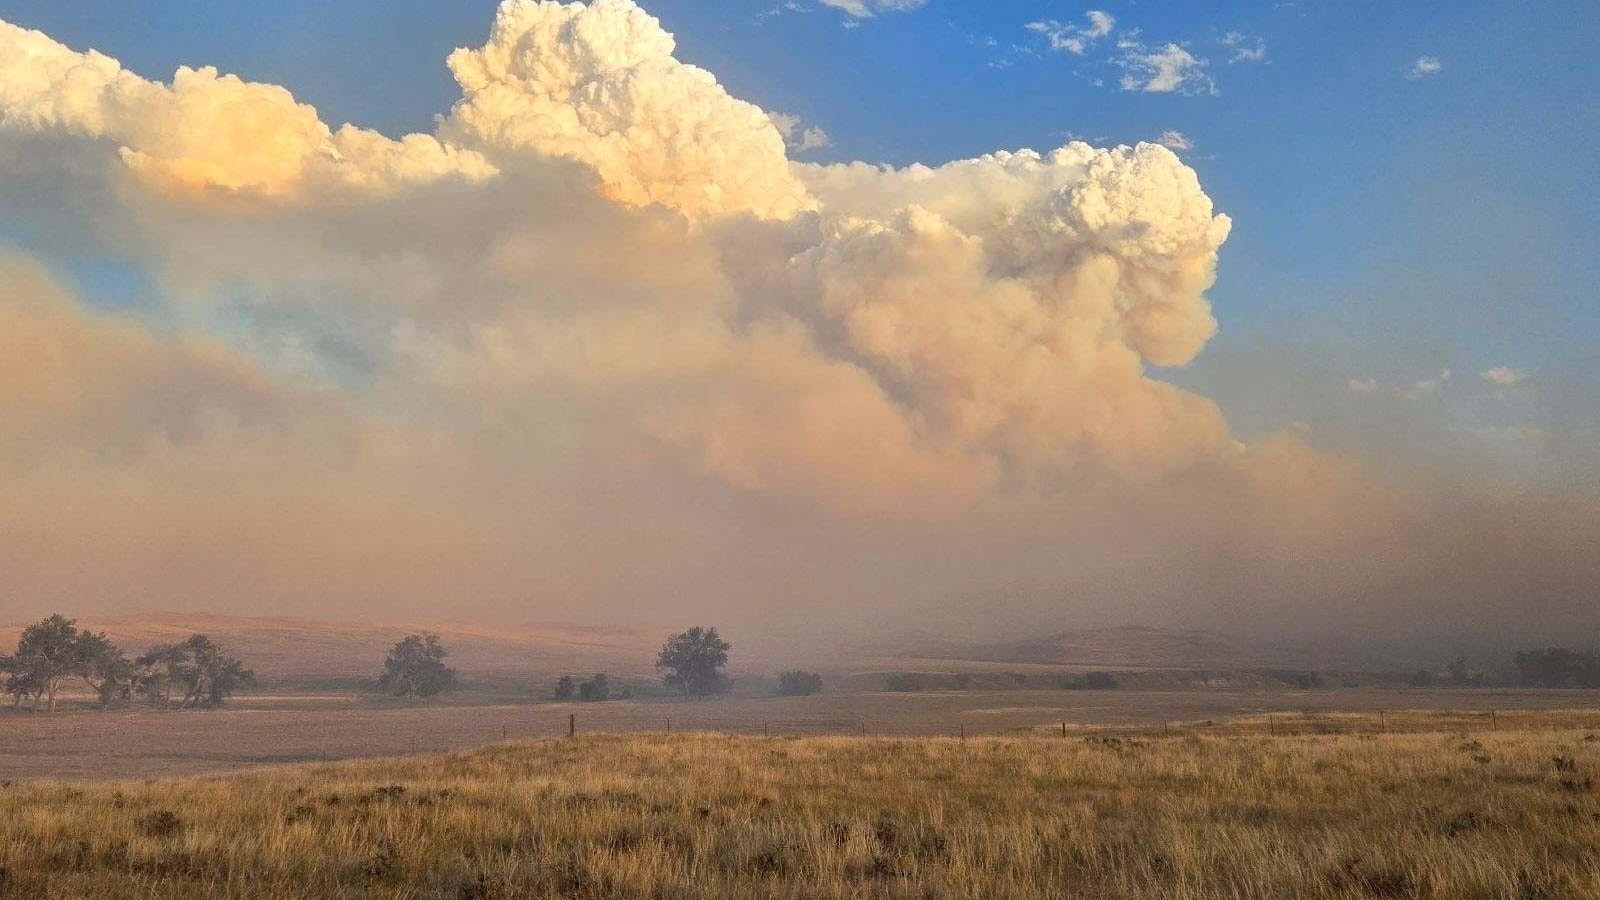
(278, 729)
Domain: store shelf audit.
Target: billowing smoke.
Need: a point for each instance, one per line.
(598, 347)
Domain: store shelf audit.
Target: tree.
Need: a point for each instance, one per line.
(595, 690)
(21, 683)
(799, 684)
(158, 671)
(693, 662)
(47, 654)
(105, 668)
(217, 676)
(566, 688)
(415, 668)
(197, 670)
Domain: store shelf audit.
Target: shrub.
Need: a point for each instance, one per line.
(799, 684)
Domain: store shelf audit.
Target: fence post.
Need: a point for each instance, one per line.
(963, 731)
(1494, 719)
(1063, 729)
(669, 724)
(572, 725)
(765, 730)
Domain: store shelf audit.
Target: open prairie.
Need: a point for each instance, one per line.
(1434, 812)
(271, 729)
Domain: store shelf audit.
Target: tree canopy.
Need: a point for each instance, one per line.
(197, 672)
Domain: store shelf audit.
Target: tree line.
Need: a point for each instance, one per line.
(50, 654)
(1559, 667)
(692, 662)
(196, 673)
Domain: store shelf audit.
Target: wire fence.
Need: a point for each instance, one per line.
(1264, 725)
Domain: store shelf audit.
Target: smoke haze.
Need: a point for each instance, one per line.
(597, 349)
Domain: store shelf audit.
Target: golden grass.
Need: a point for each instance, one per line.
(1502, 815)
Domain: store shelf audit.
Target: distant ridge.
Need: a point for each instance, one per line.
(303, 648)
(1140, 646)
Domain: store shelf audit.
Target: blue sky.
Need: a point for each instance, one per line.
(1386, 227)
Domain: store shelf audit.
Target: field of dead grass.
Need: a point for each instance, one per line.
(1507, 814)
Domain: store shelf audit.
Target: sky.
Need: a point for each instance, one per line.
(775, 316)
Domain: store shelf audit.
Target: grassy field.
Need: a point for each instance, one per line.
(1434, 812)
(273, 729)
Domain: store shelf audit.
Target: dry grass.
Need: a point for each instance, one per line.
(1507, 815)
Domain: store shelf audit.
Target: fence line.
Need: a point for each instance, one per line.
(1273, 724)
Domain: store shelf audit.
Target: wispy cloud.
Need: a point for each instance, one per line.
(1175, 140)
(1167, 69)
(866, 9)
(1244, 48)
(1075, 39)
(1425, 67)
(1411, 390)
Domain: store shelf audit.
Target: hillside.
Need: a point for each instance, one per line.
(299, 649)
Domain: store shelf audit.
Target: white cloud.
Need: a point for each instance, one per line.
(1075, 39)
(1176, 141)
(864, 9)
(600, 85)
(1505, 376)
(1424, 67)
(1167, 69)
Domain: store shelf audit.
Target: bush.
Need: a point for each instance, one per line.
(799, 684)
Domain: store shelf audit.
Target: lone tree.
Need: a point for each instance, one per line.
(415, 668)
(693, 662)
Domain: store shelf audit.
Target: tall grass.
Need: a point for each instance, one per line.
(1504, 815)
